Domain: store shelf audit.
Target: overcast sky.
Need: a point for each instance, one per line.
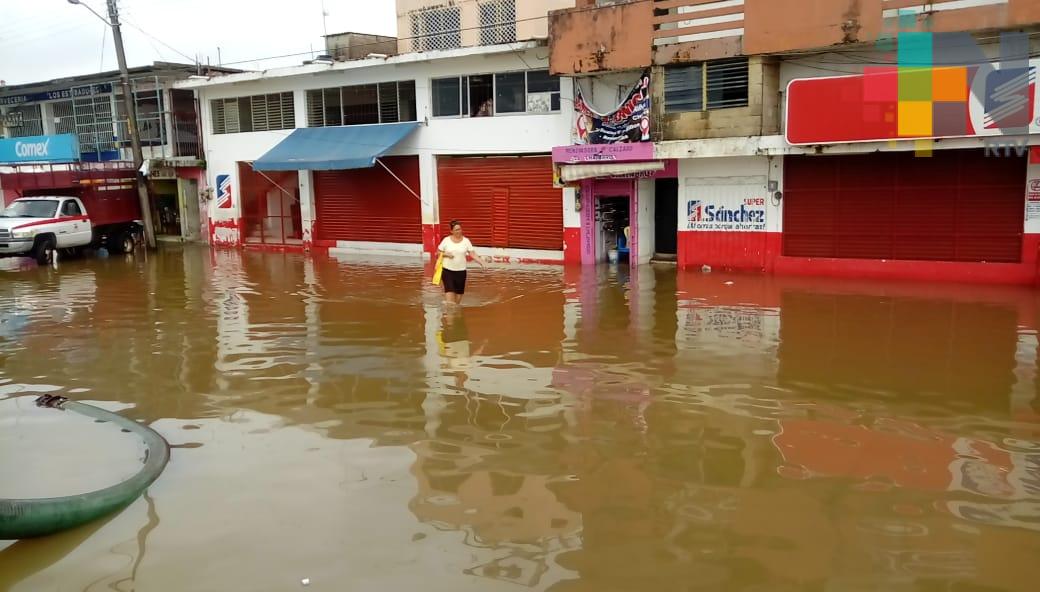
(44, 39)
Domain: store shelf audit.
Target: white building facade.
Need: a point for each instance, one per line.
(485, 120)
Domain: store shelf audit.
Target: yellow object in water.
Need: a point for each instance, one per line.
(437, 269)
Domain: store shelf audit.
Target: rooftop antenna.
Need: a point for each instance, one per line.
(324, 18)
(220, 61)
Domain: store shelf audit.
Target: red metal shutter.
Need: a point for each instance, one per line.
(956, 205)
(369, 204)
(502, 201)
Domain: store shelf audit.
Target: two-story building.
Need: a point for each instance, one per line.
(92, 111)
(860, 138)
(377, 154)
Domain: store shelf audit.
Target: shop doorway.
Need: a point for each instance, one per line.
(189, 208)
(166, 211)
(609, 230)
(666, 219)
(613, 221)
(270, 206)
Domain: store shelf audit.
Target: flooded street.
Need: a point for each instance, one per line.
(569, 429)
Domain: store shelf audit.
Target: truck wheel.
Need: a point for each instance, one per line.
(123, 242)
(127, 242)
(43, 251)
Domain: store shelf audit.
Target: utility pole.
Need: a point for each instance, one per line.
(131, 115)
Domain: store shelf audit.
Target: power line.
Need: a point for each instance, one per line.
(147, 34)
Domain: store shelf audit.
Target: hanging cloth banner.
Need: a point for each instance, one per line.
(629, 122)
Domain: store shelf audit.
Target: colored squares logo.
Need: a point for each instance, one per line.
(925, 101)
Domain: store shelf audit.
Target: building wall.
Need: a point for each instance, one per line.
(505, 134)
(728, 182)
(760, 118)
(584, 40)
(598, 37)
(529, 24)
(354, 46)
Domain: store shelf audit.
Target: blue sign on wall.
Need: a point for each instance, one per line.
(68, 93)
(60, 148)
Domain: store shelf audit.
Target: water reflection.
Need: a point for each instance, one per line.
(568, 429)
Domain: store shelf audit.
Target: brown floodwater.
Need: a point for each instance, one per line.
(568, 429)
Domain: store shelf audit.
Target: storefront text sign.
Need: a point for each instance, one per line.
(1033, 199)
(60, 148)
(603, 152)
(54, 95)
(748, 215)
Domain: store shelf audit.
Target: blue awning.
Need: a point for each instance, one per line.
(334, 148)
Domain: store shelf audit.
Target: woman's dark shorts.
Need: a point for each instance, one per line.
(454, 281)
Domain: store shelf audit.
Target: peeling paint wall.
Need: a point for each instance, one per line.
(584, 41)
(588, 39)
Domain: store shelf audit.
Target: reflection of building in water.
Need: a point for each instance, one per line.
(889, 452)
(916, 347)
(498, 505)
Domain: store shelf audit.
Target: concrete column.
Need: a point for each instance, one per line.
(308, 211)
(571, 226)
(430, 201)
(644, 218)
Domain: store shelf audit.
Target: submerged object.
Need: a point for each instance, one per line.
(35, 517)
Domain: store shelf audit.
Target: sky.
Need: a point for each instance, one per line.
(44, 39)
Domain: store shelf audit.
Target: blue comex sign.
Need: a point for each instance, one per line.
(60, 148)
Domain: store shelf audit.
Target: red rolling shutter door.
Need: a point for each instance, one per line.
(502, 201)
(957, 205)
(369, 204)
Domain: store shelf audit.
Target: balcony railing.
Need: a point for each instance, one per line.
(682, 21)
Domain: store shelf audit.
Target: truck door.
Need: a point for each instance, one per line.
(74, 229)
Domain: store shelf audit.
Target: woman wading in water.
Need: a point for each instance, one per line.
(456, 248)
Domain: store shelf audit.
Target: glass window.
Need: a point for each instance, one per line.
(406, 100)
(446, 97)
(360, 104)
(543, 92)
(510, 93)
(480, 96)
(71, 208)
(332, 106)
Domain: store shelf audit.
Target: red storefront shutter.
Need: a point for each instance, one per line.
(369, 204)
(956, 205)
(502, 201)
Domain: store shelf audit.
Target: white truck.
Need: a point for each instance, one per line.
(39, 226)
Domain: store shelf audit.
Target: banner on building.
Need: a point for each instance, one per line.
(629, 122)
(224, 192)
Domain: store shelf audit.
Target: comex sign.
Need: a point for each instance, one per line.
(60, 148)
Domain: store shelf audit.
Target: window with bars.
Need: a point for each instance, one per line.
(94, 123)
(720, 84)
(437, 28)
(64, 117)
(29, 120)
(257, 113)
(150, 121)
(497, 22)
(535, 91)
(387, 102)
